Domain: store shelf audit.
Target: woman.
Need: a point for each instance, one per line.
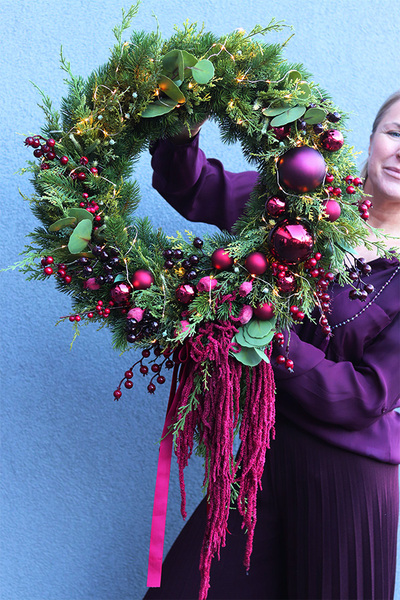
(328, 510)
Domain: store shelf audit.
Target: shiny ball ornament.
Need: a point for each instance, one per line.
(301, 169)
(185, 293)
(256, 263)
(220, 259)
(142, 279)
(121, 293)
(264, 312)
(332, 210)
(287, 283)
(275, 206)
(332, 140)
(291, 241)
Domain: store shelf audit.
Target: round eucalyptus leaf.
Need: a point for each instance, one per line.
(275, 110)
(288, 116)
(240, 339)
(260, 329)
(304, 89)
(203, 71)
(248, 357)
(159, 107)
(188, 59)
(80, 214)
(61, 223)
(169, 88)
(293, 76)
(313, 116)
(173, 64)
(80, 237)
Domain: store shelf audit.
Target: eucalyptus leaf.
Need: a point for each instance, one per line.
(262, 355)
(248, 357)
(169, 88)
(313, 116)
(173, 64)
(119, 277)
(80, 214)
(61, 223)
(189, 60)
(239, 338)
(293, 76)
(260, 329)
(256, 342)
(276, 110)
(159, 107)
(203, 71)
(80, 237)
(289, 116)
(304, 89)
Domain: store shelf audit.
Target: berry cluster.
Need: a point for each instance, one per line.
(137, 330)
(361, 290)
(174, 258)
(108, 258)
(155, 369)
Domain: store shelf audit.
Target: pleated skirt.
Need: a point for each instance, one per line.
(326, 529)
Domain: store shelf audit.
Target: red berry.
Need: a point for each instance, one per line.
(72, 318)
(97, 218)
(50, 142)
(45, 148)
(37, 153)
(117, 394)
(90, 315)
(44, 166)
(77, 318)
(85, 196)
(279, 338)
(337, 191)
(367, 202)
(357, 181)
(289, 364)
(329, 189)
(151, 388)
(329, 178)
(155, 368)
(145, 353)
(129, 374)
(169, 364)
(300, 316)
(365, 215)
(94, 171)
(312, 262)
(50, 156)
(143, 369)
(62, 273)
(161, 379)
(317, 256)
(128, 384)
(294, 310)
(326, 330)
(349, 179)
(82, 204)
(314, 273)
(64, 160)
(68, 279)
(323, 321)
(83, 160)
(106, 311)
(48, 271)
(28, 141)
(99, 302)
(81, 176)
(322, 284)
(35, 143)
(351, 189)
(329, 276)
(280, 359)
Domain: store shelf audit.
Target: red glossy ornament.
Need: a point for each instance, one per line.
(287, 283)
(185, 293)
(142, 279)
(291, 241)
(221, 260)
(301, 169)
(275, 206)
(332, 140)
(121, 293)
(264, 312)
(256, 263)
(332, 210)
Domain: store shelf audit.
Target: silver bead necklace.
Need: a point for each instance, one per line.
(369, 303)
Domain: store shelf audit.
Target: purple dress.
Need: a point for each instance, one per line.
(328, 511)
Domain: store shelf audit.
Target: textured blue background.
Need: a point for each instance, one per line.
(78, 470)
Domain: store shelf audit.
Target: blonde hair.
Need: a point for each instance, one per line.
(379, 116)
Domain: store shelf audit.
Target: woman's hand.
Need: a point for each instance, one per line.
(184, 136)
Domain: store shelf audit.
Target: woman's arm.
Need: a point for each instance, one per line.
(199, 188)
(340, 393)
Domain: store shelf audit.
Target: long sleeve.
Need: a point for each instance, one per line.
(352, 396)
(200, 189)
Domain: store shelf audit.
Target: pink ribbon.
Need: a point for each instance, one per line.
(162, 481)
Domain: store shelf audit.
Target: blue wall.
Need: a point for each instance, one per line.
(78, 470)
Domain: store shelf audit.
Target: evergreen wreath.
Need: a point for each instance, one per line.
(210, 307)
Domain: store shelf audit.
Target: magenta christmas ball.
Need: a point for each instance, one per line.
(301, 169)
(291, 241)
(275, 206)
(121, 293)
(264, 312)
(332, 210)
(256, 263)
(287, 284)
(142, 279)
(185, 293)
(221, 260)
(332, 140)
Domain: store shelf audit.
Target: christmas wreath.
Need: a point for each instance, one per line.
(208, 308)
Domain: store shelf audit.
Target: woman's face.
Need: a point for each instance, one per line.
(383, 181)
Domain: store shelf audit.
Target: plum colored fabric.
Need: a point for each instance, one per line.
(344, 389)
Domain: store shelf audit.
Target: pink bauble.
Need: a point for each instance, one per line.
(287, 283)
(264, 312)
(332, 210)
(121, 293)
(291, 241)
(275, 206)
(185, 293)
(256, 263)
(332, 140)
(301, 169)
(221, 260)
(142, 279)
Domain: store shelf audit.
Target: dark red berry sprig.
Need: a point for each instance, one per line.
(154, 367)
(360, 290)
